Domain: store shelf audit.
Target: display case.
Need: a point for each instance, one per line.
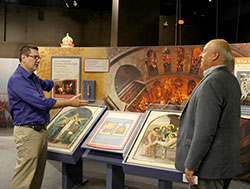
(67, 130)
(156, 142)
(114, 132)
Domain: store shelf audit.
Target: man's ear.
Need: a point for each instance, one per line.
(22, 57)
(216, 55)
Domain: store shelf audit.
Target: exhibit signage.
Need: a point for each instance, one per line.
(242, 72)
(96, 65)
(68, 69)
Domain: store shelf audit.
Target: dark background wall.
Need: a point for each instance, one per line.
(138, 23)
(47, 26)
(46, 22)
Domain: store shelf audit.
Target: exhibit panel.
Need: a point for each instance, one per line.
(114, 132)
(70, 125)
(68, 69)
(242, 72)
(139, 76)
(156, 143)
(9, 65)
(89, 90)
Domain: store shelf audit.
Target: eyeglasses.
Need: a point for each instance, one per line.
(36, 57)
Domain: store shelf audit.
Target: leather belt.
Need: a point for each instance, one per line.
(36, 127)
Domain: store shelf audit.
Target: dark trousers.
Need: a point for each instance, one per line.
(212, 184)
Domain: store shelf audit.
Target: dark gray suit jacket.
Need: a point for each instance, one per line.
(208, 137)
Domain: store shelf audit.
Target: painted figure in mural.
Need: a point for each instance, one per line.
(191, 86)
(107, 128)
(8, 117)
(195, 61)
(67, 87)
(177, 97)
(166, 60)
(174, 91)
(68, 125)
(143, 102)
(160, 137)
(180, 59)
(151, 63)
(163, 133)
(121, 129)
(2, 114)
(29, 109)
(208, 136)
(152, 137)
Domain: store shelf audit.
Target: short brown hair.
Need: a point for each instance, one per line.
(26, 50)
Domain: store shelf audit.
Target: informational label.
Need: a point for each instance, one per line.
(68, 69)
(96, 65)
(242, 72)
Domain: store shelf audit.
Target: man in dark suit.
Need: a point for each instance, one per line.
(208, 138)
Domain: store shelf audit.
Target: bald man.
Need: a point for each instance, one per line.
(208, 138)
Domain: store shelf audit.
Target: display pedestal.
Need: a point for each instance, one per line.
(72, 172)
(72, 175)
(162, 184)
(114, 177)
(165, 176)
(114, 173)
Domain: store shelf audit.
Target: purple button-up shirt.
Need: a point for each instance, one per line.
(28, 105)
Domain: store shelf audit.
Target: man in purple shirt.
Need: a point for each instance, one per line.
(29, 109)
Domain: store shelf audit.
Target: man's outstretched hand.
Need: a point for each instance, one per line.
(75, 102)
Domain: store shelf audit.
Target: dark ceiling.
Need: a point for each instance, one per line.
(73, 4)
(218, 18)
(196, 8)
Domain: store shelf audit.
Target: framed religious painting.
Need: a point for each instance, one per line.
(114, 132)
(70, 126)
(156, 143)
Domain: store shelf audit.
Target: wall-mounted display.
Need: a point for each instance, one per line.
(89, 90)
(114, 131)
(8, 67)
(156, 143)
(242, 72)
(68, 69)
(140, 76)
(96, 65)
(70, 126)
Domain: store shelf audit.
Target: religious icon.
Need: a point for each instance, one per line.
(66, 90)
(114, 131)
(195, 61)
(156, 142)
(180, 59)
(66, 127)
(107, 128)
(70, 125)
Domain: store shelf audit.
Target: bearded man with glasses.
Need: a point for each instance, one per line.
(29, 109)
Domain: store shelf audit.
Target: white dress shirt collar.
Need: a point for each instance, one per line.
(209, 70)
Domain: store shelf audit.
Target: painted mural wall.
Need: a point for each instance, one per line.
(142, 76)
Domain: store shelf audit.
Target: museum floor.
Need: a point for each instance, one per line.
(94, 172)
